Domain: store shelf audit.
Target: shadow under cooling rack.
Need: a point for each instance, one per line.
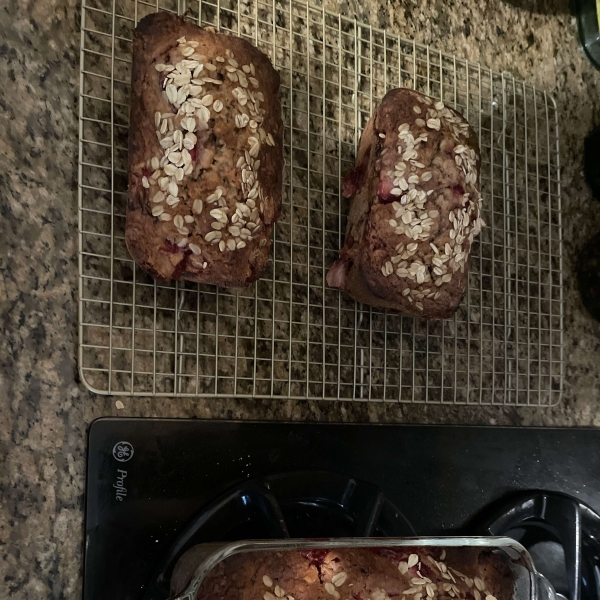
(289, 335)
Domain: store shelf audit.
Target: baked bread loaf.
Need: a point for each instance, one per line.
(362, 574)
(205, 154)
(414, 210)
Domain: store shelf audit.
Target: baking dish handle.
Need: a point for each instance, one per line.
(544, 589)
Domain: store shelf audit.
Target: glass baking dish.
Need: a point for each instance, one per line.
(198, 561)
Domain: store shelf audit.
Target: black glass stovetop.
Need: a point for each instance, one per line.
(156, 486)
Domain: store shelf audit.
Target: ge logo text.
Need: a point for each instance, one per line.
(123, 451)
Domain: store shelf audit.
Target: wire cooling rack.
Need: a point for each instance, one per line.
(290, 336)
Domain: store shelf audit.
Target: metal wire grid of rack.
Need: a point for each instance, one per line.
(290, 336)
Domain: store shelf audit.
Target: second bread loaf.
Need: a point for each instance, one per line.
(415, 208)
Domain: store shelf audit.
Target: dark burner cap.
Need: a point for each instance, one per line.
(591, 161)
(588, 275)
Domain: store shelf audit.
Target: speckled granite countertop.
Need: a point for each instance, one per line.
(45, 410)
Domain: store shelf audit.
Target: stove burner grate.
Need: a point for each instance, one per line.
(562, 535)
(301, 504)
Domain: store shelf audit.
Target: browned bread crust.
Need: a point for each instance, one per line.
(205, 154)
(361, 574)
(414, 210)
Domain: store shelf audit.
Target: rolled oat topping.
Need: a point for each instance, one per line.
(411, 218)
(189, 82)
